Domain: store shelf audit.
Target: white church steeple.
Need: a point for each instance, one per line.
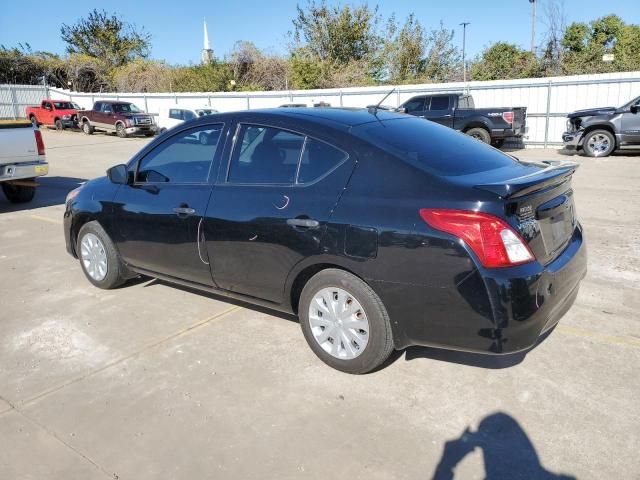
(207, 53)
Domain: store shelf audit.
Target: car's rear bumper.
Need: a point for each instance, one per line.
(501, 133)
(22, 170)
(493, 311)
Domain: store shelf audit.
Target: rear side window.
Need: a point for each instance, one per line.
(184, 158)
(265, 155)
(175, 113)
(439, 103)
(432, 147)
(318, 159)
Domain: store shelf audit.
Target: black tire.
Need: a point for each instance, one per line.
(18, 193)
(87, 128)
(599, 143)
(150, 134)
(33, 120)
(121, 131)
(479, 134)
(58, 124)
(116, 273)
(380, 339)
(497, 143)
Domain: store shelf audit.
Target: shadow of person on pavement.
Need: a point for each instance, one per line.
(507, 451)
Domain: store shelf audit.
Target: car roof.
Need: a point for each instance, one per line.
(338, 116)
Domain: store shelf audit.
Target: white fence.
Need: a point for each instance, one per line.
(548, 100)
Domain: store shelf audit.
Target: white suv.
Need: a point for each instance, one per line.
(170, 117)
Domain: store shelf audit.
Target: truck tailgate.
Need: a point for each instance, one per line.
(17, 142)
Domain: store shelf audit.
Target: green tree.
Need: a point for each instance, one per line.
(106, 37)
(337, 34)
(405, 50)
(503, 61)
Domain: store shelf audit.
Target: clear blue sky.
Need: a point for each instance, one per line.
(176, 25)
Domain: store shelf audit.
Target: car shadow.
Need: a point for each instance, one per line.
(51, 191)
(506, 449)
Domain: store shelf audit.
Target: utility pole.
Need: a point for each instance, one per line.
(533, 26)
(464, 44)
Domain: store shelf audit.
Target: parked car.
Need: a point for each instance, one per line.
(58, 113)
(22, 159)
(598, 132)
(379, 231)
(455, 110)
(173, 116)
(123, 118)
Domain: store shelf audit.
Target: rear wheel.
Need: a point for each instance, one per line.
(18, 193)
(33, 119)
(479, 134)
(87, 128)
(98, 257)
(599, 143)
(121, 131)
(344, 322)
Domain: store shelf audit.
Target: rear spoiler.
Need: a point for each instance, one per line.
(557, 173)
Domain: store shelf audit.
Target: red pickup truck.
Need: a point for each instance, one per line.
(58, 113)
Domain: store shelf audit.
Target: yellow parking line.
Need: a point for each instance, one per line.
(608, 339)
(46, 219)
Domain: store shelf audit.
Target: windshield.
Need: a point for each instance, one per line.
(205, 111)
(126, 108)
(434, 148)
(66, 106)
(635, 101)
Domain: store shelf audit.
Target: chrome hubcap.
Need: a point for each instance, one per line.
(93, 256)
(338, 323)
(598, 144)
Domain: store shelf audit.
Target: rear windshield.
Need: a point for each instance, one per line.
(432, 147)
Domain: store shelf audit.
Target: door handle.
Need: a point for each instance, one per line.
(184, 211)
(303, 223)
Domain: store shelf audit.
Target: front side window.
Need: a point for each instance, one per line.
(47, 105)
(126, 108)
(265, 155)
(106, 108)
(414, 105)
(183, 158)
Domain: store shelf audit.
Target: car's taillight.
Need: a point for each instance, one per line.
(39, 142)
(493, 241)
(508, 117)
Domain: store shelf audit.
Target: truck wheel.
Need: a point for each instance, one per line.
(497, 143)
(33, 119)
(87, 128)
(344, 322)
(59, 125)
(120, 130)
(18, 193)
(479, 134)
(599, 143)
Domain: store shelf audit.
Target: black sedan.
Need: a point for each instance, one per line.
(378, 229)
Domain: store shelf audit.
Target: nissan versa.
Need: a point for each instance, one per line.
(378, 229)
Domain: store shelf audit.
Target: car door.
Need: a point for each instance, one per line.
(631, 125)
(175, 117)
(158, 216)
(47, 113)
(270, 208)
(439, 110)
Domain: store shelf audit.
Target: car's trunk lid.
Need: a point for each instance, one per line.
(541, 205)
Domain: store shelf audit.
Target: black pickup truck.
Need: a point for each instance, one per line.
(456, 110)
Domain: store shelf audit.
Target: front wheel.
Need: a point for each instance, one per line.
(344, 322)
(59, 126)
(121, 131)
(98, 257)
(18, 193)
(479, 134)
(87, 128)
(599, 143)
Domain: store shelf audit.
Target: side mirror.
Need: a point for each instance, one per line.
(633, 109)
(401, 110)
(118, 175)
